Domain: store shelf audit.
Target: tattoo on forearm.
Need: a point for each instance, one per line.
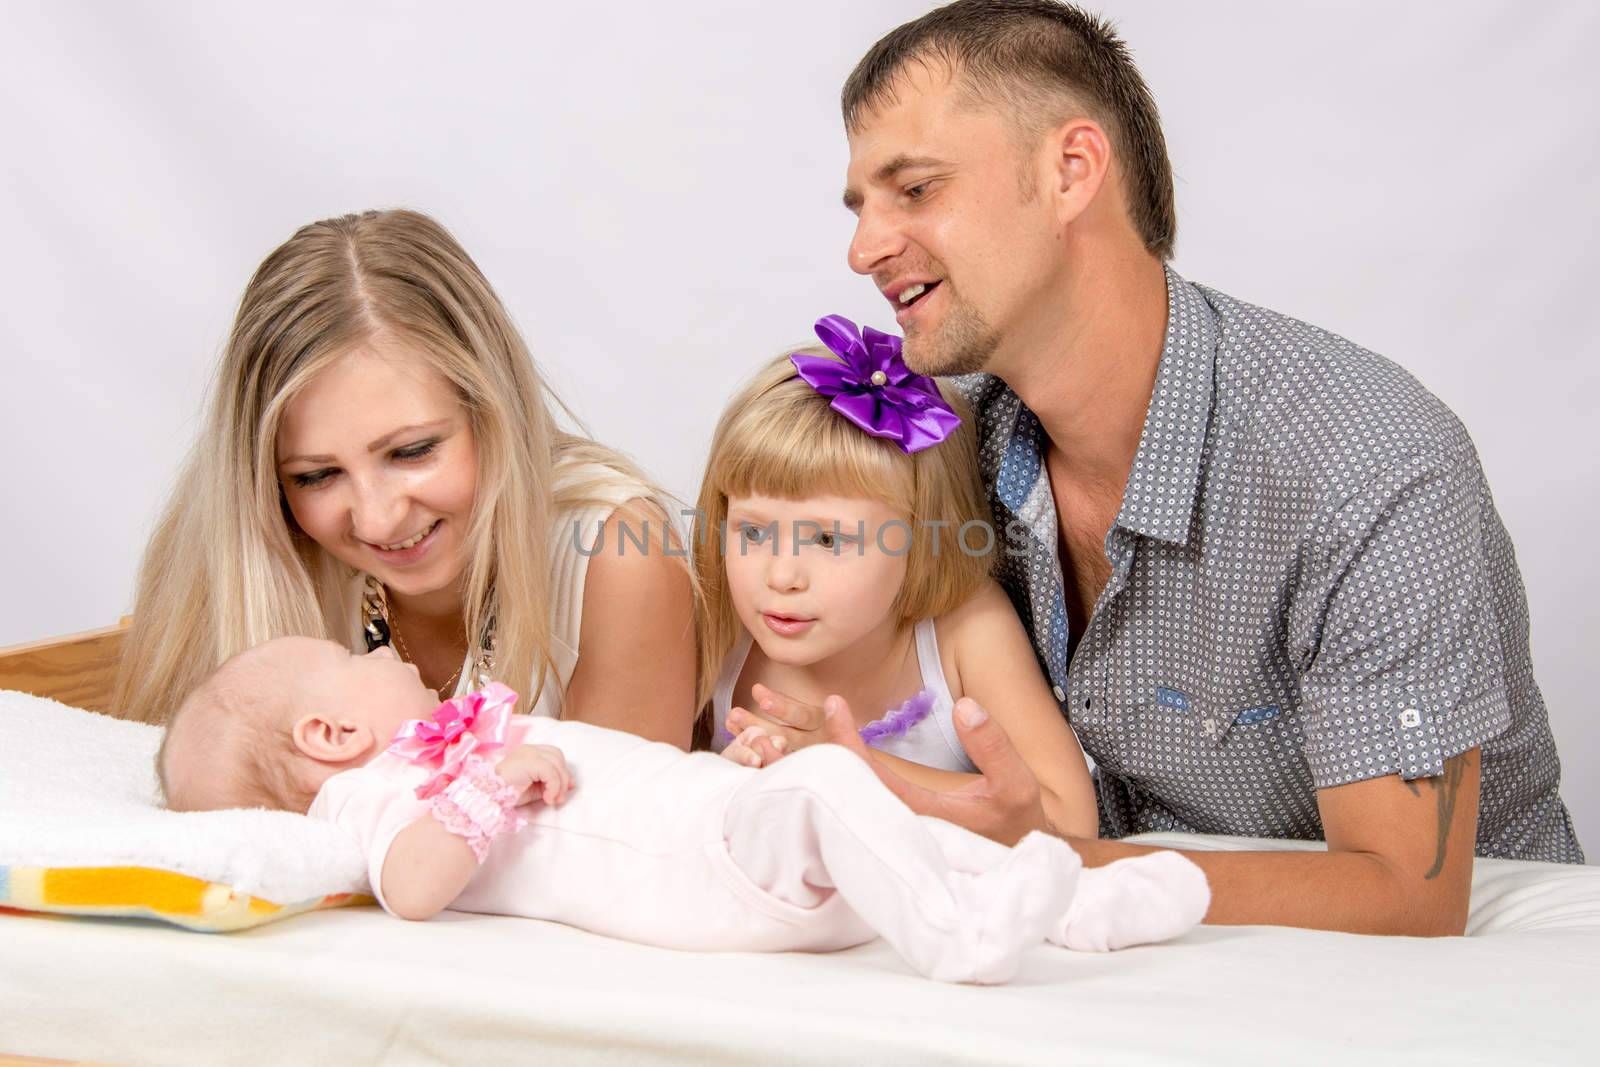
(1445, 788)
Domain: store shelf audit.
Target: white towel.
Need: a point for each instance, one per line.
(78, 789)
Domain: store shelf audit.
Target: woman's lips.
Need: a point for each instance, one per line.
(786, 625)
(405, 557)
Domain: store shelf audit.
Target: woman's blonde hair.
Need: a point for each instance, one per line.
(779, 437)
(227, 566)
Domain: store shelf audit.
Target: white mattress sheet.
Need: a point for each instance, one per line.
(355, 986)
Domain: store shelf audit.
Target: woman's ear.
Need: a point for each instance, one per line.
(327, 739)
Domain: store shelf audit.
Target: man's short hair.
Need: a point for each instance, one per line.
(1039, 59)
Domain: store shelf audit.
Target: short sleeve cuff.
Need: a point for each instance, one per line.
(1407, 736)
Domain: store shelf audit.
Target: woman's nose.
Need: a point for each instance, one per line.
(376, 512)
(384, 652)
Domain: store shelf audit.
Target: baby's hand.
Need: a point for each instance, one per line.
(754, 747)
(530, 767)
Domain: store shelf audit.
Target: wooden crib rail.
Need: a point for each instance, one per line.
(80, 669)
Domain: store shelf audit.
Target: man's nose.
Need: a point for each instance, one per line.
(876, 241)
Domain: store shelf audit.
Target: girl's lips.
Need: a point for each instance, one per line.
(405, 557)
(786, 626)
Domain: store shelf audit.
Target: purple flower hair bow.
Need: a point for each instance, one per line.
(874, 388)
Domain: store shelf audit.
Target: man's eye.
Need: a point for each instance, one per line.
(916, 192)
(312, 479)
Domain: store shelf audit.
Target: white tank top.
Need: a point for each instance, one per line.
(931, 742)
(573, 531)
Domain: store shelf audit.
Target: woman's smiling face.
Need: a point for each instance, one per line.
(377, 461)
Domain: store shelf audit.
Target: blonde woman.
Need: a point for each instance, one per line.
(381, 465)
(844, 560)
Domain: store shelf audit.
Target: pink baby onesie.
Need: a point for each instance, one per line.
(691, 851)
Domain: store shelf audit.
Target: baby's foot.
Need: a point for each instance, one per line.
(1015, 906)
(1135, 901)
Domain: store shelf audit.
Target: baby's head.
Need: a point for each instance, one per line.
(782, 455)
(272, 724)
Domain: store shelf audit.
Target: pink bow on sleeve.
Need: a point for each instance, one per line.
(471, 724)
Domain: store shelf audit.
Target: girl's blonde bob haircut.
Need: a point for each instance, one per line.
(779, 437)
(227, 566)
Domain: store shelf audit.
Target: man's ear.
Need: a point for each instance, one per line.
(1080, 161)
(327, 739)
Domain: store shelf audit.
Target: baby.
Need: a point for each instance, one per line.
(468, 806)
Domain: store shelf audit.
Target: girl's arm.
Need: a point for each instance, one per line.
(991, 661)
(996, 667)
(637, 633)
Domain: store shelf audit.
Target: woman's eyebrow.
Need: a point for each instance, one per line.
(383, 442)
(376, 446)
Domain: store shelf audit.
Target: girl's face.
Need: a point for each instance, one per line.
(812, 578)
(378, 464)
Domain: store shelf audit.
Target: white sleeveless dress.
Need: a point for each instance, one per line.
(931, 742)
(573, 533)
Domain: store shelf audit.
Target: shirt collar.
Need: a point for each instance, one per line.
(1158, 501)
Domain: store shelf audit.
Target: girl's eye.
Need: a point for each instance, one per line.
(827, 540)
(416, 451)
(312, 479)
(753, 534)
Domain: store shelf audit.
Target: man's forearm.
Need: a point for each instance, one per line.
(1356, 892)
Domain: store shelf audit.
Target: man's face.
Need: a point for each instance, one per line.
(949, 226)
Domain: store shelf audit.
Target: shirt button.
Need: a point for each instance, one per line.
(1059, 693)
(1410, 717)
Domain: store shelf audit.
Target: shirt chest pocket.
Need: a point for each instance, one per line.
(1169, 730)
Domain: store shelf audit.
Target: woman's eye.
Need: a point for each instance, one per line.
(311, 479)
(416, 451)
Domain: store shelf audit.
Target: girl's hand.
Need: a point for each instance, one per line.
(799, 724)
(754, 747)
(536, 772)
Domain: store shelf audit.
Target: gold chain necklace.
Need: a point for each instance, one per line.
(447, 690)
(378, 627)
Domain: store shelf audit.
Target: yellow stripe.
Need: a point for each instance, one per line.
(120, 887)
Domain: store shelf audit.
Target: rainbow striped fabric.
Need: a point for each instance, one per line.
(148, 893)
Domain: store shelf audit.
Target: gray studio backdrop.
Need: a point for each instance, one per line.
(654, 187)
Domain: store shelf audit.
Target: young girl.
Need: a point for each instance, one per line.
(471, 807)
(845, 549)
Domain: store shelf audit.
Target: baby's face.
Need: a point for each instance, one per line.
(377, 689)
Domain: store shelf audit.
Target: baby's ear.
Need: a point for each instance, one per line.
(328, 739)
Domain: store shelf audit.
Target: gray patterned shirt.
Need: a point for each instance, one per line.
(1309, 586)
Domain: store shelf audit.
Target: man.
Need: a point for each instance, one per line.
(1260, 566)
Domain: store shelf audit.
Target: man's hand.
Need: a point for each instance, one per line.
(1002, 805)
(536, 772)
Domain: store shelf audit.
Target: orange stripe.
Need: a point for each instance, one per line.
(116, 887)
